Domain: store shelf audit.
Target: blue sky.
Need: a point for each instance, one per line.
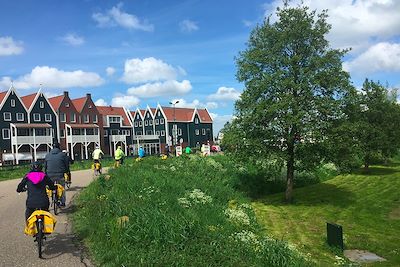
(142, 52)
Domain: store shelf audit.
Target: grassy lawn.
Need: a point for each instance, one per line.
(17, 172)
(367, 205)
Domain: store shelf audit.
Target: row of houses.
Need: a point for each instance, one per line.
(30, 124)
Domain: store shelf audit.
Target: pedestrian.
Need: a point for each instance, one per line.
(35, 182)
(119, 155)
(56, 164)
(141, 152)
(167, 151)
(188, 150)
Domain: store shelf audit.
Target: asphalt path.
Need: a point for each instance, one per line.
(61, 248)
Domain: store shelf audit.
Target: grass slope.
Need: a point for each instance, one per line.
(366, 205)
(174, 212)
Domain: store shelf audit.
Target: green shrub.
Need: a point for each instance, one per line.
(181, 212)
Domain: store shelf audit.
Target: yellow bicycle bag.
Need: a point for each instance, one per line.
(48, 226)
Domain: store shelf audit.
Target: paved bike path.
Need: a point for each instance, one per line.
(61, 247)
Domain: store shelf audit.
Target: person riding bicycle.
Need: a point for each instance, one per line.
(119, 155)
(35, 182)
(56, 164)
(70, 161)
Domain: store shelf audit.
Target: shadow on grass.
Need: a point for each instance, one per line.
(315, 195)
(377, 170)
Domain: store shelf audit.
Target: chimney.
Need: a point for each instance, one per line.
(88, 96)
(65, 93)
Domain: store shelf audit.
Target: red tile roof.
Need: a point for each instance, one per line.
(2, 95)
(142, 111)
(56, 101)
(204, 115)
(133, 114)
(181, 114)
(32, 125)
(28, 100)
(116, 111)
(79, 103)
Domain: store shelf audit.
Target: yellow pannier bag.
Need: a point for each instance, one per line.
(60, 190)
(48, 226)
(49, 192)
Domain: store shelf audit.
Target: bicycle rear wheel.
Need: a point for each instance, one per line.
(39, 237)
(55, 203)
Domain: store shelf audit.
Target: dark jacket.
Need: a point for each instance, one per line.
(56, 164)
(36, 182)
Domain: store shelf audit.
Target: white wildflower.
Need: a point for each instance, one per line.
(237, 216)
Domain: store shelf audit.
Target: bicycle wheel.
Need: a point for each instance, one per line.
(39, 236)
(55, 203)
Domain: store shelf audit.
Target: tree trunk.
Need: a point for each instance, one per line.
(290, 173)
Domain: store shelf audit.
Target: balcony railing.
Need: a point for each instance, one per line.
(146, 137)
(117, 138)
(47, 139)
(82, 138)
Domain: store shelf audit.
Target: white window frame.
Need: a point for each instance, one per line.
(151, 123)
(196, 120)
(136, 124)
(41, 104)
(12, 103)
(158, 133)
(73, 117)
(95, 118)
(148, 115)
(197, 131)
(203, 131)
(6, 130)
(162, 133)
(86, 118)
(47, 117)
(36, 118)
(162, 121)
(5, 118)
(22, 116)
(146, 123)
(140, 124)
(157, 121)
(179, 131)
(159, 113)
(63, 117)
(67, 104)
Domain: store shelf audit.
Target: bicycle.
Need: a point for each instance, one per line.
(40, 223)
(96, 166)
(55, 196)
(67, 179)
(117, 163)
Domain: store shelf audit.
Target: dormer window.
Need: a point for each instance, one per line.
(114, 119)
(159, 114)
(196, 121)
(41, 104)
(148, 115)
(12, 102)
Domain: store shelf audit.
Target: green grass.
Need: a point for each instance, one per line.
(182, 212)
(367, 205)
(17, 172)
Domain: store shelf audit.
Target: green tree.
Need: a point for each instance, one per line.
(294, 84)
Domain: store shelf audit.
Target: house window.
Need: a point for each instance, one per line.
(67, 105)
(41, 104)
(197, 131)
(62, 117)
(62, 133)
(157, 121)
(86, 118)
(139, 133)
(127, 132)
(47, 117)
(7, 116)
(36, 116)
(179, 131)
(12, 102)
(140, 123)
(20, 116)
(158, 113)
(158, 133)
(161, 121)
(89, 106)
(6, 133)
(95, 119)
(196, 121)
(136, 124)
(162, 133)
(149, 132)
(114, 119)
(73, 117)
(148, 115)
(146, 123)
(150, 123)
(203, 131)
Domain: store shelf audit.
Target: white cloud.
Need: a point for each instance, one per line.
(149, 69)
(110, 71)
(379, 57)
(188, 26)
(116, 17)
(225, 94)
(247, 23)
(166, 88)
(194, 104)
(219, 121)
(73, 39)
(354, 22)
(53, 78)
(100, 102)
(127, 101)
(10, 47)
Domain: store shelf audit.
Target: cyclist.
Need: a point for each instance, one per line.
(35, 182)
(97, 154)
(188, 150)
(70, 161)
(119, 155)
(56, 164)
